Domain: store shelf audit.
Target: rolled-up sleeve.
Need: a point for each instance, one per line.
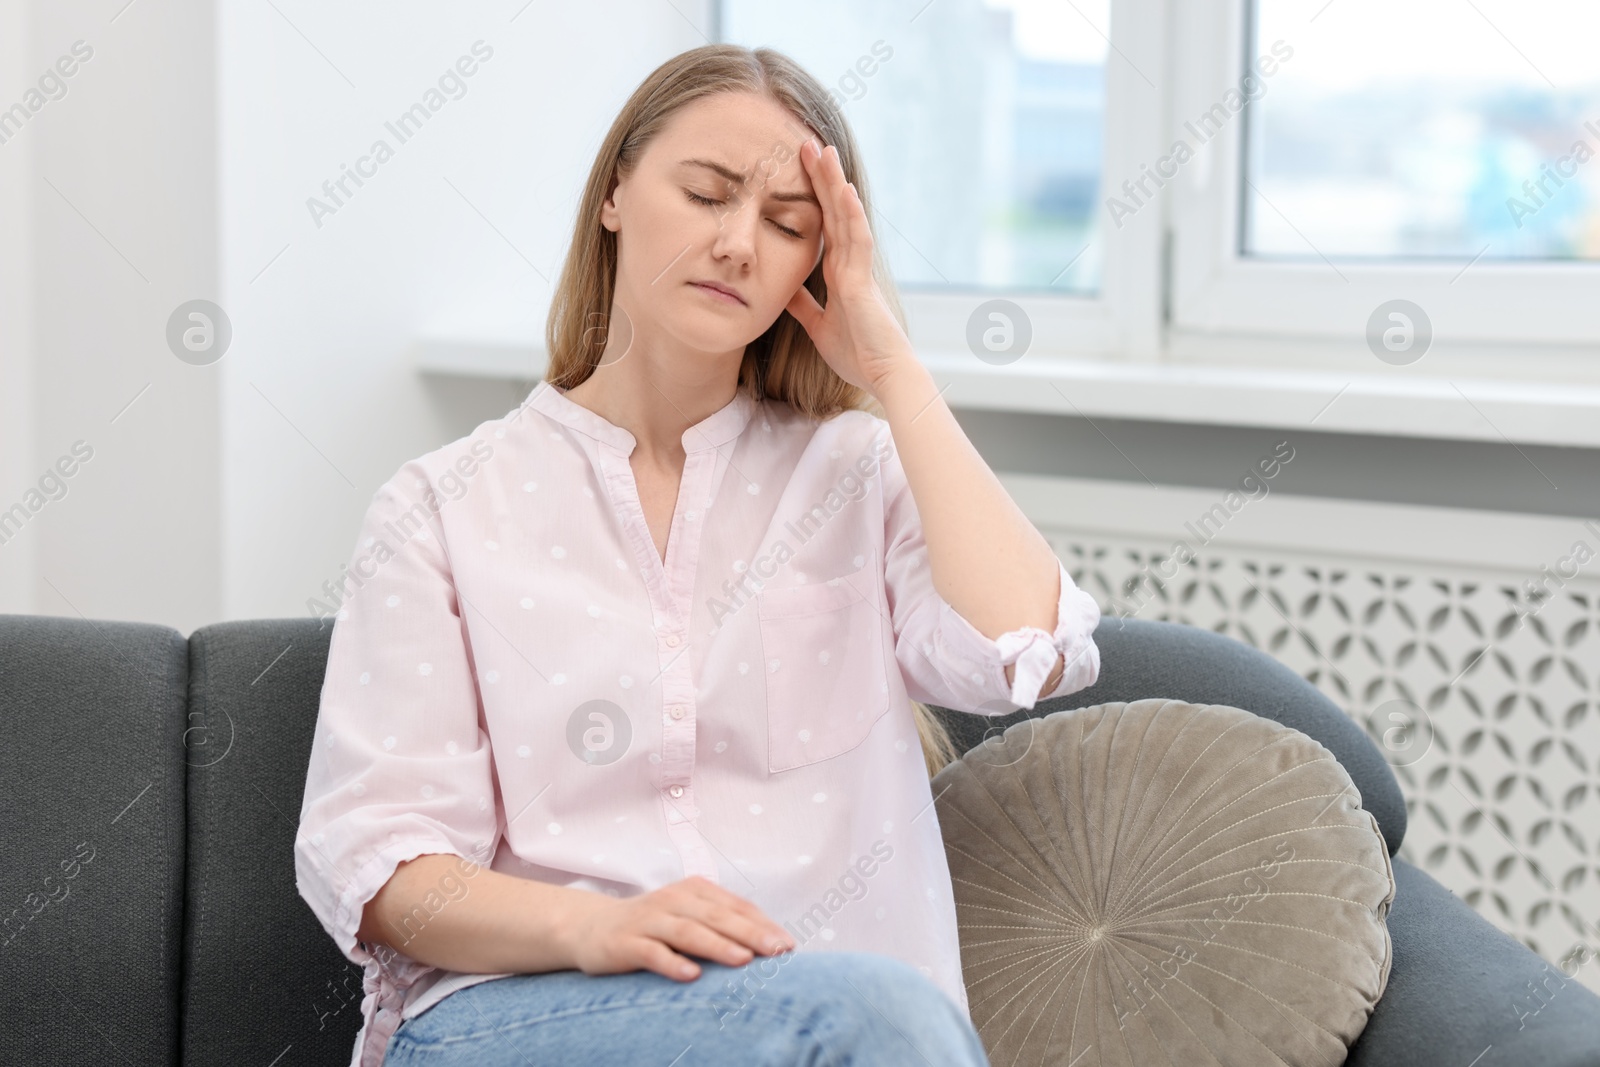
(400, 762)
(946, 661)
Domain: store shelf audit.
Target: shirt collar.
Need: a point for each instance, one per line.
(713, 431)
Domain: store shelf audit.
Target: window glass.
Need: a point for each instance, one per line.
(1428, 128)
(982, 125)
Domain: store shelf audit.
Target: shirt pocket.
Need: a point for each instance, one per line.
(822, 648)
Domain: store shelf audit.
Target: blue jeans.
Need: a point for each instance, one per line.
(798, 1009)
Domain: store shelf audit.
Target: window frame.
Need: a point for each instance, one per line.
(1484, 307)
(1121, 321)
(1176, 289)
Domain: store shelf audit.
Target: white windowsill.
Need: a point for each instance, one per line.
(1491, 410)
(501, 360)
(1407, 406)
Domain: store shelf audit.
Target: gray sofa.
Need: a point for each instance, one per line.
(152, 788)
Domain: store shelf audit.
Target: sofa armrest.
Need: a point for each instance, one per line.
(1460, 988)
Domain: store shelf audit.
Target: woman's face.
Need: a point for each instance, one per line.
(718, 198)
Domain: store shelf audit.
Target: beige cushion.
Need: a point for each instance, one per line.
(1159, 882)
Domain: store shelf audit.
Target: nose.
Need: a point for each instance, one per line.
(735, 237)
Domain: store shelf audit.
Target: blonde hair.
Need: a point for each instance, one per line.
(782, 364)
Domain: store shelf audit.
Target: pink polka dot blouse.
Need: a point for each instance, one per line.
(516, 677)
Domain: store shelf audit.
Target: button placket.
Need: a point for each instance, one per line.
(678, 692)
(678, 804)
(669, 583)
(677, 739)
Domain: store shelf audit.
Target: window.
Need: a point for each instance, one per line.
(1296, 229)
(1242, 182)
(984, 126)
(1421, 130)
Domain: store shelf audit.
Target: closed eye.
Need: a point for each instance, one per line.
(696, 198)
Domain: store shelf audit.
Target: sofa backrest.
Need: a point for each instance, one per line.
(261, 978)
(91, 840)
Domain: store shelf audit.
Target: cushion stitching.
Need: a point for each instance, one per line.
(1067, 911)
(1274, 1053)
(1245, 870)
(1271, 999)
(1290, 926)
(1186, 1026)
(1063, 964)
(1004, 814)
(1242, 796)
(1139, 755)
(1192, 764)
(1287, 963)
(1065, 959)
(1263, 811)
(1255, 840)
(999, 962)
(1178, 819)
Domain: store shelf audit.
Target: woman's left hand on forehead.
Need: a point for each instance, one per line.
(856, 333)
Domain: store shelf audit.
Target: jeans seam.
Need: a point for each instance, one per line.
(523, 1024)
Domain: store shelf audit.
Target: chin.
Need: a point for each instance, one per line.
(711, 332)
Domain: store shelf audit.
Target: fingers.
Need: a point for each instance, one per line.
(753, 930)
(847, 202)
(654, 955)
(860, 227)
(844, 218)
(695, 917)
(803, 306)
(693, 937)
(825, 180)
(737, 918)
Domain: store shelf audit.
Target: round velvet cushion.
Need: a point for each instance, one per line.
(1159, 882)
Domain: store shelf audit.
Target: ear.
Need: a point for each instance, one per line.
(610, 217)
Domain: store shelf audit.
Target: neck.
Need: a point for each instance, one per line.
(657, 390)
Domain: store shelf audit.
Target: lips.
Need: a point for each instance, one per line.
(720, 291)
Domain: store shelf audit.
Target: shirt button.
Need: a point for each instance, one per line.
(672, 640)
(676, 790)
(677, 711)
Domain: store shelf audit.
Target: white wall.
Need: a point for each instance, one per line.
(120, 195)
(324, 334)
(16, 308)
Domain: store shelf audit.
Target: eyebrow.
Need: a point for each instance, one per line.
(740, 179)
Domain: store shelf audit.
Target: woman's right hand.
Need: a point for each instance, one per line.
(608, 935)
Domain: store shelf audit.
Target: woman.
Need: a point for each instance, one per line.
(626, 680)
